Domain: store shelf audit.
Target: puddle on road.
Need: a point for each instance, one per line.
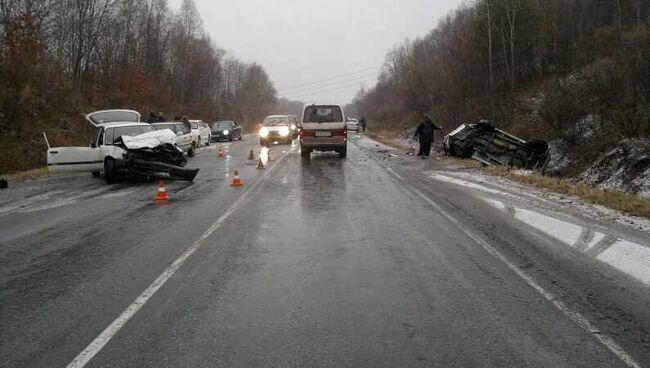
(627, 256)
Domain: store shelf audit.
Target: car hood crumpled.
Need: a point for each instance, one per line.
(149, 140)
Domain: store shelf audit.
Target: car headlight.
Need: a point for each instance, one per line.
(284, 131)
(226, 132)
(293, 126)
(264, 132)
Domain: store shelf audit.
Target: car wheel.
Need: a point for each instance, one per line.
(190, 153)
(240, 137)
(95, 174)
(305, 153)
(344, 152)
(110, 171)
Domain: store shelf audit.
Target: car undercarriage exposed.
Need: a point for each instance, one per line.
(489, 145)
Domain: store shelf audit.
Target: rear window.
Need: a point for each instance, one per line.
(112, 116)
(195, 125)
(323, 114)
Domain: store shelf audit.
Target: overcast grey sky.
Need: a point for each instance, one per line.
(304, 41)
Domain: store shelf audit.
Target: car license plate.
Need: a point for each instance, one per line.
(324, 134)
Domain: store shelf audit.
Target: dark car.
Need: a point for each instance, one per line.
(226, 130)
(489, 145)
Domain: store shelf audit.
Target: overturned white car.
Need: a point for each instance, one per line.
(123, 146)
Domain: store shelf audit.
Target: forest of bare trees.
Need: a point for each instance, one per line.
(539, 68)
(60, 58)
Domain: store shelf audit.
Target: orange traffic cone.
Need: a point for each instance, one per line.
(251, 156)
(260, 164)
(220, 152)
(236, 180)
(162, 195)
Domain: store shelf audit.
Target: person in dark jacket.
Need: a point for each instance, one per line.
(152, 118)
(424, 132)
(362, 122)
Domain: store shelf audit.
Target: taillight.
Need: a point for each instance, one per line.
(340, 133)
(306, 133)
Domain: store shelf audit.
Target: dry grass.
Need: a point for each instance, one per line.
(624, 202)
(26, 175)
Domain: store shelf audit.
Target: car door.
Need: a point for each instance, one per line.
(71, 159)
(184, 136)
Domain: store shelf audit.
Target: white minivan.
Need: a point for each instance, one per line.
(323, 129)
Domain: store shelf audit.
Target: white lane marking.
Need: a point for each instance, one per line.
(598, 236)
(466, 184)
(629, 257)
(574, 316)
(109, 332)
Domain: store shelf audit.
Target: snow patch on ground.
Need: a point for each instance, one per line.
(626, 168)
(575, 204)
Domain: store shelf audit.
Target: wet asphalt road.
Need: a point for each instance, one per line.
(357, 262)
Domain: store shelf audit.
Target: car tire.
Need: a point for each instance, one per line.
(305, 153)
(110, 171)
(230, 139)
(190, 153)
(343, 152)
(96, 174)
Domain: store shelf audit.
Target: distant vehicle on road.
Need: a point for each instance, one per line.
(226, 130)
(323, 129)
(185, 138)
(276, 129)
(353, 124)
(122, 145)
(202, 131)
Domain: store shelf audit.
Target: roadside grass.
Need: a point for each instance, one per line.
(629, 203)
(26, 175)
(386, 138)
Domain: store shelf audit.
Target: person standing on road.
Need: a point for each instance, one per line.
(424, 132)
(362, 122)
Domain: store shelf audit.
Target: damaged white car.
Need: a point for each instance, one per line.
(123, 146)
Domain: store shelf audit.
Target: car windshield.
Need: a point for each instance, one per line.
(275, 121)
(195, 125)
(323, 114)
(221, 125)
(114, 133)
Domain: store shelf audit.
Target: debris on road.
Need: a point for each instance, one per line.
(489, 145)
